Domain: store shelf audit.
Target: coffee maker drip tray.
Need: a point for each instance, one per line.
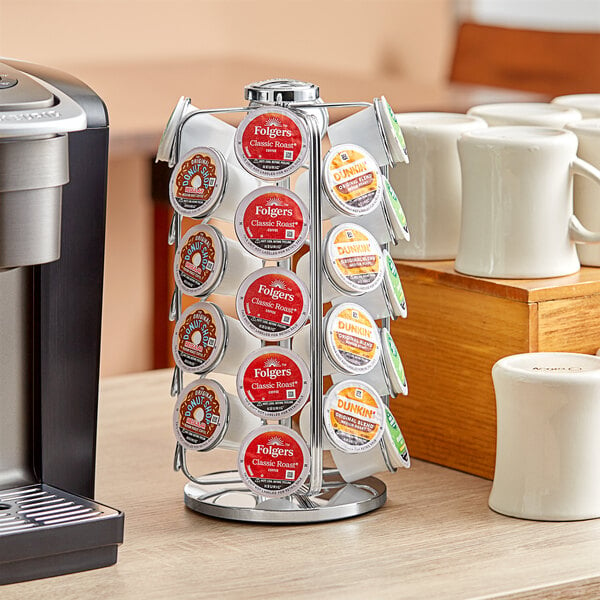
(45, 531)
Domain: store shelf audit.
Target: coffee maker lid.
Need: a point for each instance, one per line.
(29, 106)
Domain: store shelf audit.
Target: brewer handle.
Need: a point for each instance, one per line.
(577, 232)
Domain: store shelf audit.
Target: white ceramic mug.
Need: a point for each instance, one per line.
(585, 194)
(429, 186)
(540, 114)
(587, 104)
(548, 447)
(517, 208)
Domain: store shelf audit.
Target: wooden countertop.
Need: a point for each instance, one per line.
(141, 96)
(434, 539)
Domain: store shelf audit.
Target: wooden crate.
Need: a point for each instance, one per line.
(457, 328)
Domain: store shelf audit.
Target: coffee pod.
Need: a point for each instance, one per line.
(352, 263)
(387, 377)
(389, 455)
(351, 342)
(205, 340)
(273, 461)
(206, 416)
(206, 262)
(388, 299)
(273, 383)
(271, 223)
(213, 132)
(353, 416)
(375, 128)
(304, 423)
(271, 142)
(272, 304)
(202, 184)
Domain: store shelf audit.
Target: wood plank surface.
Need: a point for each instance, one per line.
(435, 537)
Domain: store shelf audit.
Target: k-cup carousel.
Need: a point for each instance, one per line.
(269, 184)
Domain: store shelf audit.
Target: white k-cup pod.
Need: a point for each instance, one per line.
(207, 262)
(206, 340)
(203, 185)
(202, 129)
(273, 461)
(271, 142)
(273, 382)
(354, 416)
(271, 223)
(375, 128)
(272, 304)
(389, 455)
(304, 423)
(352, 263)
(206, 416)
(388, 299)
(387, 377)
(351, 342)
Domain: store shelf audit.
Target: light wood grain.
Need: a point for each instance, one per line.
(435, 537)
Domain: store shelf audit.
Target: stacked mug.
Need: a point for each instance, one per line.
(242, 176)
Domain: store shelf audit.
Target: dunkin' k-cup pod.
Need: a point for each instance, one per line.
(273, 382)
(271, 142)
(273, 461)
(271, 223)
(272, 303)
(354, 416)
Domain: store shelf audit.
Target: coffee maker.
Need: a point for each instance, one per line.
(53, 164)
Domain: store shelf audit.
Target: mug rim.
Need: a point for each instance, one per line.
(522, 135)
(442, 118)
(591, 126)
(502, 108)
(520, 365)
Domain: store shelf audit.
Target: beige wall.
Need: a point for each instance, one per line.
(410, 38)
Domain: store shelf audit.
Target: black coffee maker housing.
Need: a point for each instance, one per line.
(53, 168)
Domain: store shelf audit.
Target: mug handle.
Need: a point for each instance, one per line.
(577, 232)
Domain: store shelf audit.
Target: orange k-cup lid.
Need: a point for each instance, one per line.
(273, 461)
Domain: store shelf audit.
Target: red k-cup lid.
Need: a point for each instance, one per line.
(200, 415)
(199, 260)
(273, 461)
(271, 223)
(198, 182)
(354, 416)
(200, 338)
(272, 303)
(271, 142)
(273, 382)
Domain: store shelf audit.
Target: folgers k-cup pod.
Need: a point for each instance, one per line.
(352, 259)
(273, 461)
(272, 303)
(352, 180)
(352, 341)
(271, 142)
(198, 182)
(200, 415)
(271, 223)
(354, 416)
(273, 382)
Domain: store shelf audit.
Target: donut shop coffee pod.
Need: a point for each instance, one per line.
(389, 455)
(205, 339)
(272, 303)
(202, 184)
(273, 382)
(207, 262)
(387, 377)
(353, 416)
(201, 415)
(375, 128)
(351, 342)
(271, 142)
(271, 223)
(210, 130)
(388, 299)
(273, 461)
